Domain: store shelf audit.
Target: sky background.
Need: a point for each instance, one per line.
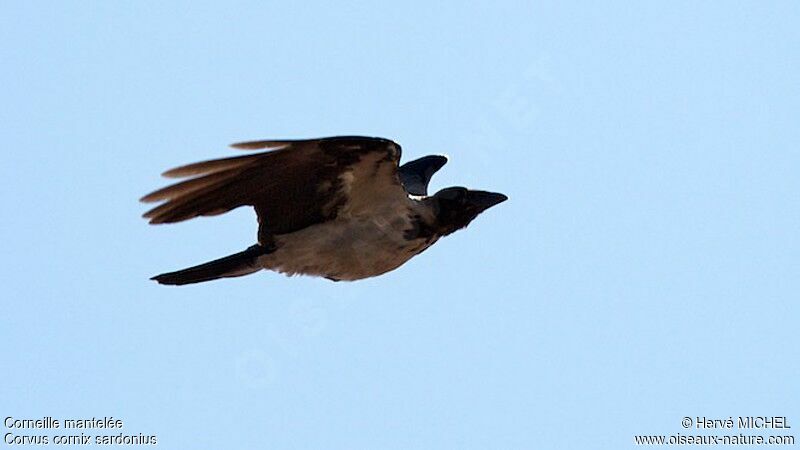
(645, 268)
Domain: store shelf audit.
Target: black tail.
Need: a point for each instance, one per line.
(235, 265)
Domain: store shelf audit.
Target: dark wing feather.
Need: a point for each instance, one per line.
(214, 165)
(291, 187)
(415, 175)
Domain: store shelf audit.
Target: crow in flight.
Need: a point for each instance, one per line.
(338, 207)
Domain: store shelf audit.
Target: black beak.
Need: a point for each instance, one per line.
(485, 200)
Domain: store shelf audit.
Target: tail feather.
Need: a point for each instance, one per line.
(235, 265)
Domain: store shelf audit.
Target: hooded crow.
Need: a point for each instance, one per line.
(338, 207)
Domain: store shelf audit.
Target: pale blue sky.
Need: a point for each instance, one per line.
(645, 269)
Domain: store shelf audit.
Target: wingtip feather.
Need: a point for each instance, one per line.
(259, 145)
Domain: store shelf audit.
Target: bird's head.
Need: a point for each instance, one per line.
(456, 207)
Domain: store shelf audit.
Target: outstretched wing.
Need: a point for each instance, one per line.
(415, 175)
(293, 185)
